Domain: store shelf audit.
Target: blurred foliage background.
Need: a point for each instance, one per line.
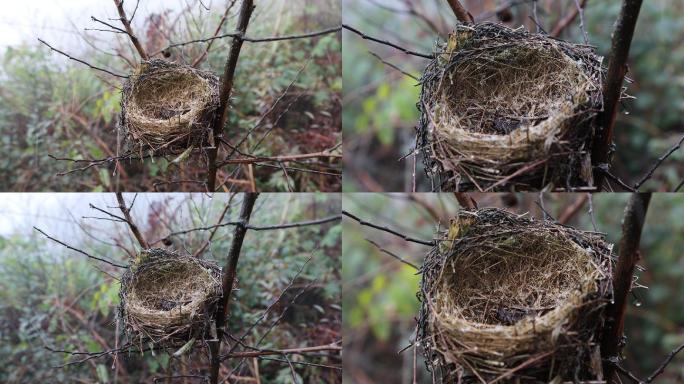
(52, 106)
(380, 112)
(50, 296)
(379, 293)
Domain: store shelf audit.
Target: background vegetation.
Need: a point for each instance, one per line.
(379, 294)
(52, 106)
(379, 113)
(53, 297)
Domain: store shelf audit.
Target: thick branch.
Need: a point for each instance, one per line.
(466, 201)
(632, 224)
(612, 88)
(129, 31)
(461, 13)
(229, 274)
(227, 82)
(127, 215)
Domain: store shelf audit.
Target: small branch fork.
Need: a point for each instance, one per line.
(655, 374)
(129, 31)
(127, 218)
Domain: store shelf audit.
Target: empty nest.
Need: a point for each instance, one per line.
(168, 298)
(167, 106)
(505, 109)
(508, 297)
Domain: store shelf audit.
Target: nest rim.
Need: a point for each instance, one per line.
(463, 346)
(166, 106)
(463, 158)
(169, 298)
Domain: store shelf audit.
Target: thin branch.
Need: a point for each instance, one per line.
(80, 251)
(568, 19)
(204, 54)
(246, 10)
(256, 227)
(388, 230)
(127, 216)
(385, 42)
(213, 231)
(82, 62)
(658, 163)
(230, 271)
(387, 63)
(572, 210)
(664, 364)
(632, 225)
(266, 352)
(295, 225)
(279, 159)
(243, 38)
(612, 89)
(127, 25)
(383, 250)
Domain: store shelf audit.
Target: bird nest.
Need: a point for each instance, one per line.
(167, 298)
(505, 109)
(168, 106)
(505, 297)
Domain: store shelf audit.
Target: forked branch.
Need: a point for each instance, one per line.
(127, 215)
(129, 31)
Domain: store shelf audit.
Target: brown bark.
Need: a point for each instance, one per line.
(628, 256)
(612, 89)
(461, 13)
(229, 273)
(227, 82)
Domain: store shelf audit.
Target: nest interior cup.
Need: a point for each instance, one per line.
(167, 105)
(504, 108)
(501, 290)
(168, 298)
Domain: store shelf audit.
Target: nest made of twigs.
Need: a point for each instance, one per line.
(503, 108)
(167, 106)
(168, 298)
(506, 296)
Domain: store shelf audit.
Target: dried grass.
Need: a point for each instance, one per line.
(507, 109)
(168, 106)
(168, 298)
(508, 290)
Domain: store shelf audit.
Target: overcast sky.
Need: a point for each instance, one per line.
(25, 20)
(52, 212)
